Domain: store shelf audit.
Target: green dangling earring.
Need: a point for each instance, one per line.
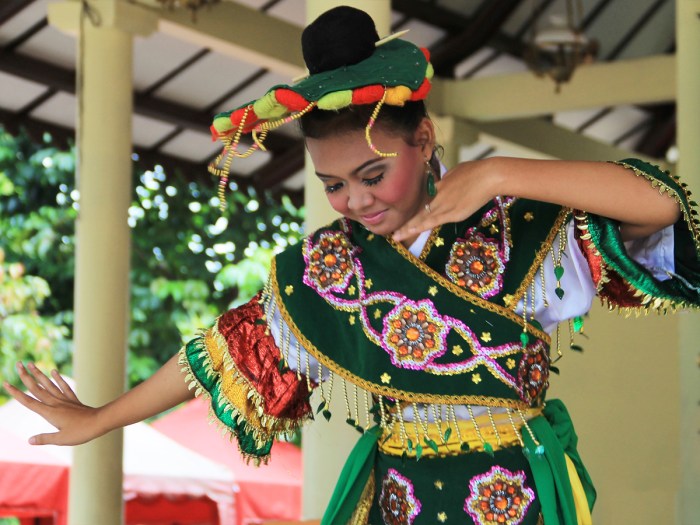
(432, 189)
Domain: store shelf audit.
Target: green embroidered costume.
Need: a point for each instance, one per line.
(440, 357)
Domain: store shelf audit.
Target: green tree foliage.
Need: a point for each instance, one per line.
(189, 261)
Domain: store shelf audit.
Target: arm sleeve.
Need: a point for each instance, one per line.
(659, 273)
(239, 366)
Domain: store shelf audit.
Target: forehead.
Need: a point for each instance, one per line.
(340, 154)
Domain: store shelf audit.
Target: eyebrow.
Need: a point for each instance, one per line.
(355, 171)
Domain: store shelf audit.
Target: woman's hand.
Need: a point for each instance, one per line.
(56, 402)
(461, 192)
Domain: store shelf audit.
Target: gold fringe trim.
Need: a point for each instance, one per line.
(540, 256)
(361, 514)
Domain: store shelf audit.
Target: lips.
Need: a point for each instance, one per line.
(373, 218)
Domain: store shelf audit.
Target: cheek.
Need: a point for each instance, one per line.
(338, 202)
(405, 184)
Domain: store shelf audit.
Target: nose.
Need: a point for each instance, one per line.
(359, 197)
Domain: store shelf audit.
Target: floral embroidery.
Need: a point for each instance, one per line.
(329, 264)
(533, 373)
(476, 264)
(498, 497)
(414, 334)
(397, 500)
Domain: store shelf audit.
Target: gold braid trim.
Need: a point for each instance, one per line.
(665, 188)
(429, 243)
(380, 389)
(463, 294)
(541, 255)
(361, 514)
(236, 394)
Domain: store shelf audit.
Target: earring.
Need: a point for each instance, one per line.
(430, 184)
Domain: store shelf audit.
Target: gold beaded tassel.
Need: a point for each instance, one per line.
(370, 125)
(269, 125)
(488, 448)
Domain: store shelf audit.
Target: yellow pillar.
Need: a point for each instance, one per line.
(688, 109)
(102, 243)
(327, 444)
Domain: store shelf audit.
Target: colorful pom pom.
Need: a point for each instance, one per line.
(336, 100)
(397, 96)
(267, 107)
(292, 100)
(367, 94)
(422, 92)
(426, 52)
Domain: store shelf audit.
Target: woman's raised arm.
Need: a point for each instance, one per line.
(55, 401)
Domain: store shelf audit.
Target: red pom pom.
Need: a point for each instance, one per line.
(367, 94)
(426, 52)
(292, 100)
(214, 133)
(236, 117)
(422, 91)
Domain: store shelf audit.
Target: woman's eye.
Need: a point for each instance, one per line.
(373, 180)
(332, 188)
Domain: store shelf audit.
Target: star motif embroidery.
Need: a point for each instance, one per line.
(476, 378)
(493, 229)
(289, 289)
(385, 378)
(457, 350)
(352, 289)
(377, 313)
(433, 290)
(442, 517)
(508, 299)
(439, 241)
(528, 216)
(486, 337)
(369, 284)
(510, 363)
(351, 320)
(438, 484)
(370, 237)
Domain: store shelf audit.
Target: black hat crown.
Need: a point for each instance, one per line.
(340, 37)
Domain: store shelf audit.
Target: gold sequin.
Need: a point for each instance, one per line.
(439, 241)
(351, 320)
(377, 313)
(438, 484)
(476, 378)
(352, 289)
(386, 378)
(457, 350)
(289, 289)
(370, 237)
(486, 337)
(528, 216)
(493, 229)
(369, 284)
(433, 290)
(510, 363)
(442, 517)
(508, 299)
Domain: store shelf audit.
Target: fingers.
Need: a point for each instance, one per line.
(421, 222)
(29, 381)
(65, 387)
(25, 400)
(52, 438)
(44, 381)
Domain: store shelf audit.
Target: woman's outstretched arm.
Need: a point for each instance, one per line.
(77, 423)
(605, 189)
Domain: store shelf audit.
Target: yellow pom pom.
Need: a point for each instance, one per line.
(267, 107)
(429, 71)
(336, 100)
(398, 95)
(222, 124)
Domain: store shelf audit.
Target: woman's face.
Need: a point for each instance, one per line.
(381, 193)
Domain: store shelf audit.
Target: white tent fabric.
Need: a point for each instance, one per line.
(153, 463)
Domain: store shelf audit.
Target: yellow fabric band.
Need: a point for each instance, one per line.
(583, 514)
(499, 431)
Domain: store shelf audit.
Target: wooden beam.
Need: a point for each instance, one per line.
(539, 138)
(523, 95)
(240, 32)
(9, 8)
(280, 168)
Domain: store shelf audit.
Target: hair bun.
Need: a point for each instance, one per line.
(340, 37)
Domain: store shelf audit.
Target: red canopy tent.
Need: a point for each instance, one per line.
(164, 482)
(271, 491)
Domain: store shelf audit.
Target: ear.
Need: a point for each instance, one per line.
(424, 137)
